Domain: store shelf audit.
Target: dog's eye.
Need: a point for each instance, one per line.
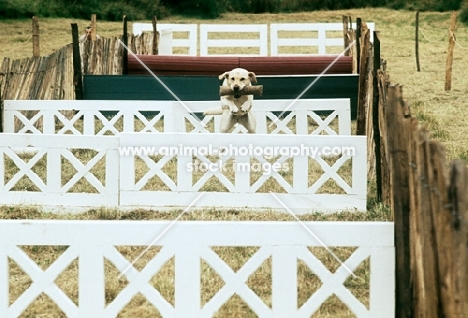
(232, 78)
(242, 79)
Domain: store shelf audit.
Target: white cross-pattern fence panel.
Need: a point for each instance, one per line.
(322, 41)
(25, 151)
(93, 242)
(259, 42)
(276, 114)
(187, 40)
(273, 116)
(299, 195)
(86, 114)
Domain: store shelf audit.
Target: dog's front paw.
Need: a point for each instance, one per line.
(234, 109)
(245, 107)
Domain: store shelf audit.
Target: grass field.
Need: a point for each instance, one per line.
(444, 113)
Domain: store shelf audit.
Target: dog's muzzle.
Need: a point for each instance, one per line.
(236, 89)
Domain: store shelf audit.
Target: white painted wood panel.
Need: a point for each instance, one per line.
(91, 242)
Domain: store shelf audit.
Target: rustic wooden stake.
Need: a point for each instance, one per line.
(442, 219)
(383, 83)
(416, 37)
(93, 27)
(459, 205)
(397, 143)
(155, 36)
(1, 109)
(346, 23)
(35, 37)
(448, 66)
(425, 276)
(125, 51)
(358, 42)
(363, 89)
(77, 74)
(375, 114)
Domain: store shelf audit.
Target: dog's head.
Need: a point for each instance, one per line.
(238, 78)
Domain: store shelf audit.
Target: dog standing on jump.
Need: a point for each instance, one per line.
(236, 108)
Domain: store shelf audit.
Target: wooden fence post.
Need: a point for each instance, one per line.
(125, 51)
(416, 39)
(346, 21)
(358, 42)
(442, 222)
(459, 203)
(1, 109)
(93, 27)
(35, 37)
(363, 90)
(383, 83)
(155, 36)
(375, 115)
(77, 74)
(449, 63)
(397, 142)
(423, 245)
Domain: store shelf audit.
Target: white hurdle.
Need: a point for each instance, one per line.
(52, 189)
(171, 116)
(244, 171)
(323, 41)
(93, 242)
(241, 167)
(258, 43)
(281, 35)
(242, 187)
(187, 39)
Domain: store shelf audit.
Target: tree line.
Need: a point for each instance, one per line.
(113, 10)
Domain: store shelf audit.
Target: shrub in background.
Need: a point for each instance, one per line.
(82, 9)
(463, 16)
(199, 8)
(146, 9)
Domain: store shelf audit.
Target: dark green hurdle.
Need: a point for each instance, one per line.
(199, 88)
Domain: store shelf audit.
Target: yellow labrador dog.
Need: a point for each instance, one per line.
(236, 108)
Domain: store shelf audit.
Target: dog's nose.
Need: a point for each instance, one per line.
(236, 88)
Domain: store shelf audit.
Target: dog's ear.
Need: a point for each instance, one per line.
(252, 77)
(223, 76)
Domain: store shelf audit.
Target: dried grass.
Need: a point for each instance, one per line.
(442, 112)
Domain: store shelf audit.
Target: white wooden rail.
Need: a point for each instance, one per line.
(186, 36)
(289, 35)
(332, 116)
(244, 180)
(114, 171)
(316, 36)
(92, 242)
(258, 44)
(87, 115)
(53, 189)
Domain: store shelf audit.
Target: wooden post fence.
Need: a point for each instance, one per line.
(35, 37)
(93, 27)
(155, 37)
(449, 63)
(77, 74)
(346, 22)
(125, 51)
(396, 113)
(459, 210)
(375, 116)
(430, 210)
(363, 92)
(416, 39)
(358, 43)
